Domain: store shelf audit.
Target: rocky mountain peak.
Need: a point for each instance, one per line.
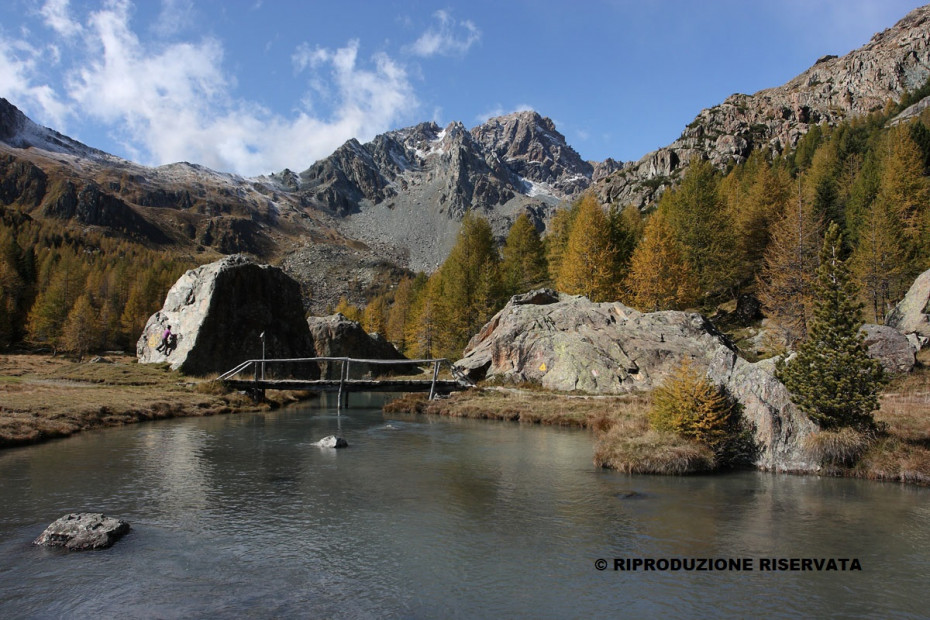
(834, 89)
(534, 149)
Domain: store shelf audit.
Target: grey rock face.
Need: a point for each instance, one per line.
(912, 314)
(410, 188)
(895, 61)
(83, 531)
(574, 344)
(219, 310)
(890, 347)
(337, 336)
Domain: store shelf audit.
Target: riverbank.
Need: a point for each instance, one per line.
(44, 397)
(625, 442)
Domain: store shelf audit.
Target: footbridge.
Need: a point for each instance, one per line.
(256, 376)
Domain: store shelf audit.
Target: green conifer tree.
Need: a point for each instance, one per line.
(832, 379)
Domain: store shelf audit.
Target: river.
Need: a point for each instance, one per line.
(242, 516)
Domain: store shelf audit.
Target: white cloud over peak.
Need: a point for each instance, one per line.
(167, 102)
(447, 37)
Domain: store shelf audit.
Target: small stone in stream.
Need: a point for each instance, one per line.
(83, 531)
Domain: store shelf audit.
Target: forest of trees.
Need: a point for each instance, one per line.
(756, 228)
(77, 293)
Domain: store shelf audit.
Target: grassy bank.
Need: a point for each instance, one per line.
(624, 440)
(44, 397)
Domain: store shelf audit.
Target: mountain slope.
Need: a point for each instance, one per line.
(893, 63)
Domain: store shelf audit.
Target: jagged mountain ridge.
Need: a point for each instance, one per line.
(411, 187)
(893, 62)
(399, 198)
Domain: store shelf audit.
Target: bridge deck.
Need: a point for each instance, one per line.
(352, 385)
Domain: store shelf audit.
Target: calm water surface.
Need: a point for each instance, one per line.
(241, 516)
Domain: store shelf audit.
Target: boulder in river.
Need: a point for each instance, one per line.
(219, 311)
(82, 531)
(567, 343)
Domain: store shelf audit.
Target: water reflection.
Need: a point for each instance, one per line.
(243, 515)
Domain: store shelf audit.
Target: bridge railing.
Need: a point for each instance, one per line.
(257, 368)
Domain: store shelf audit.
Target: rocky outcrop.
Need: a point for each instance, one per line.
(409, 188)
(219, 312)
(834, 89)
(890, 347)
(779, 428)
(568, 343)
(912, 314)
(338, 336)
(83, 531)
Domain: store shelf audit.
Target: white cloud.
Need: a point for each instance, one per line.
(19, 61)
(446, 38)
(175, 102)
(57, 16)
(174, 16)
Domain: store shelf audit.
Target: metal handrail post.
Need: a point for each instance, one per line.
(432, 388)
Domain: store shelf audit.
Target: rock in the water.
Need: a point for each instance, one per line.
(889, 346)
(338, 336)
(912, 314)
(333, 442)
(575, 344)
(83, 531)
(219, 311)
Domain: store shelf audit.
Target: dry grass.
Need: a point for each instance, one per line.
(841, 447)
(631, 446)
(43, 397)
(902, 452)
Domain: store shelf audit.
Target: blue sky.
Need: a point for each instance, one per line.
(254, 86)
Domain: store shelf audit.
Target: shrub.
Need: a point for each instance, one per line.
(690, 405)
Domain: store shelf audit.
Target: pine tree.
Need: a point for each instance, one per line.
(524, 257)
(660, 277)
(880, 259)
(832, 379)
(559, 229)
(789, 268)
(374, 317)
(903, 186)
(589, 261)
(398, 313)
(470, 284)
(697, 215)
(81, 331)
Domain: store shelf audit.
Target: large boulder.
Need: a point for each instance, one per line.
(82, 531)
(567, 343)
(890, 347)
(338, 336)
(219, 312)
(910, 316)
